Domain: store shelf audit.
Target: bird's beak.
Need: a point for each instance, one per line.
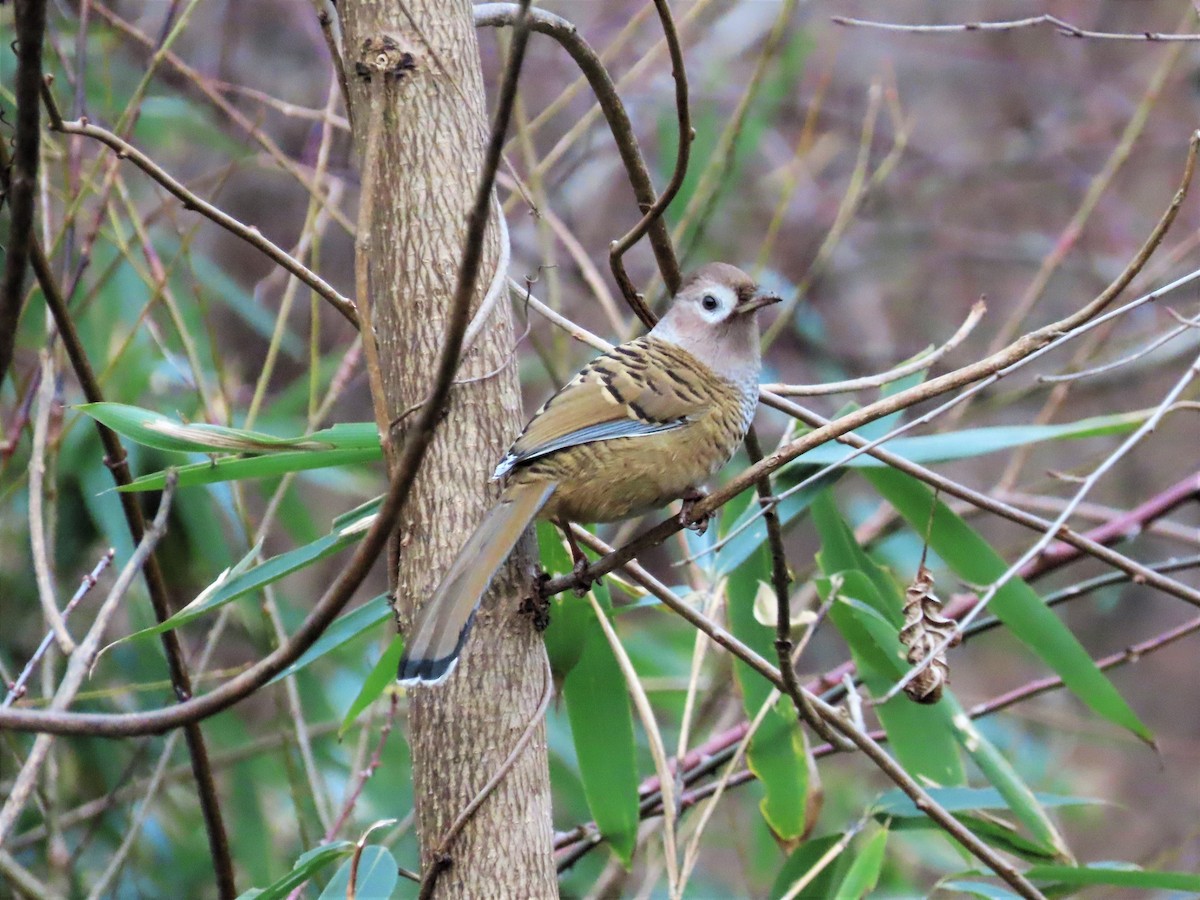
(757, 301)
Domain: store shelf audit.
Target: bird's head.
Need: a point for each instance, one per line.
(713, 317)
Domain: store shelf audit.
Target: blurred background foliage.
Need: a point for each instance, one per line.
(884, 181)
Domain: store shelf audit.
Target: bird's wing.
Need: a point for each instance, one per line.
(631, 391)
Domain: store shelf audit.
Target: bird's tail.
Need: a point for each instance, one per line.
(444, 620)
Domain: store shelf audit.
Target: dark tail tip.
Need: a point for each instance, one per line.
(431, 671)
(426, 671)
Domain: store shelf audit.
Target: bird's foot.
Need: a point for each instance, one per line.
(579, 570)
(537, 604)
(690, 499)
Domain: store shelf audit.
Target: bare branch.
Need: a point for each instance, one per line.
(919, 364)
(247, 233)
(81, 660)
(419, 437)
(621, 246)
(29, 22)
(1061, 26)
(17, 689)
(503, 14)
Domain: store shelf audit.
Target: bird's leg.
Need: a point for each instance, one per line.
(690, 498)
(580, 561)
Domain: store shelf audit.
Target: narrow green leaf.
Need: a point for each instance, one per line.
(377, 876)
(979, 889)
(308, 865)
(1117, 875)
(897, 804)
(237, 583)
(156, 430)
(598, 708)
(379, 679)
(802, 861)
(972, 442)
(240, 468)
(367, 618)
(864, 872)
(993, 831)
(777, 755)
(1016, 604)
(922, 736)
(1020, 799)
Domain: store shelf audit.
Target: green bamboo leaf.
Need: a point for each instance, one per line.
(377, 875)
(379, 679)
(896, 804)
(864, 872)
(156, 430)
(1016, 604)
(241, 468)
(598, 708)
(308, 865)
(868, 615)
(242, 579)
(364, 619)
(972, 442)
(1117, 875)
(988, 828)
(778, 754)
(802, 861)
(1017, 795)
(979, 889)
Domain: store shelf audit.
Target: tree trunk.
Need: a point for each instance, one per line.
(434, 129)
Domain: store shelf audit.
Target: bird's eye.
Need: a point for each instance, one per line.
(709, 302)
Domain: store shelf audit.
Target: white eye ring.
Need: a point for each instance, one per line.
(710, 302)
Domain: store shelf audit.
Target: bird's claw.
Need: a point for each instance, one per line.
(579, 570)
(690, 499)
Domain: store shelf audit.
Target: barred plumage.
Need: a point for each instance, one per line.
(646, 423)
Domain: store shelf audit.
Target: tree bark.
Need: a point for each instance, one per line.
(434, 130)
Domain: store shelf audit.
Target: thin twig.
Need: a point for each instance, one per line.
(362, 252)
(919, 364)
(81, 660)
(621, 246)
(780, 579)
(20, 182)
(1188, 325)
(1061, 26)
(248, 233)
(1130, 654)
(503, 14)
(325, 20)
(39, 537)
(1051, 533)
(17, 689)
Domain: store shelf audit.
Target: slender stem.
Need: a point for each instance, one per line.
(29, 21)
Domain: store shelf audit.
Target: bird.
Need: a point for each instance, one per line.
(642, 425)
